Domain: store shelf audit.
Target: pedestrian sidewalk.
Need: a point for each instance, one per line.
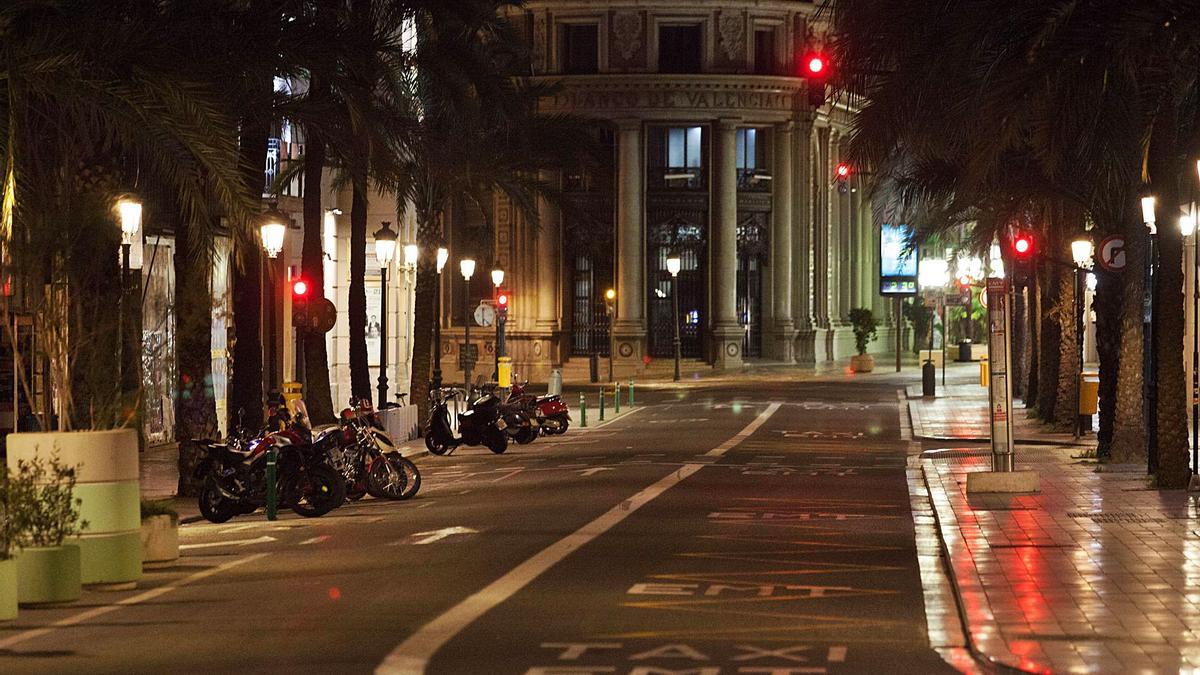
(1098, 572)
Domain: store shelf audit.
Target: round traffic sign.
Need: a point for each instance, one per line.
(485, 315)
(1111, 254)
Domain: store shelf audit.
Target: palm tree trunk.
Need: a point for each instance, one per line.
(1129, 422)
(195, 407)
(1066, 400)
(360, 374)
(1019, 345)
(318, 397)
(1049, 334)
(428, 237)
(1107, 305)
(245, 382)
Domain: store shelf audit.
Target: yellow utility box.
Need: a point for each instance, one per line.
(1089, 393)
(504, 372)
(985, 374)
(292, 392)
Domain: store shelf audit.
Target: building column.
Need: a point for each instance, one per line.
(629, 325)
(548, 272)
(780, 340)
(821, 236)
(859, 255)
(802, 240)
(727, 332)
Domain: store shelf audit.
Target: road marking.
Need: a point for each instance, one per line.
(132, 600)
(233, 542)
(592, 471)
(438, 535)
(314, 540)
(509, 474)
(412, 656)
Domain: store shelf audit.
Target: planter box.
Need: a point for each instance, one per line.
(160, 541)
(107, 484)
(8, 589)
(862, 363)
(49, 575)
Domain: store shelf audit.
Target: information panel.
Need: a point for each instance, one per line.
(897, 264)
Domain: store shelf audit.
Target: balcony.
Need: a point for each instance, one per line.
(753, 180)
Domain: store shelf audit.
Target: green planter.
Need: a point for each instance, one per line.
(48, 575)
(160, 541)
(8, 589)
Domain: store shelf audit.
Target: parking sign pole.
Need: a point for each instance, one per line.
(1000, 386)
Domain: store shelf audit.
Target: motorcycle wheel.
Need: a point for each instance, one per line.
(317, 490)
(412, 475)
(387, 480)
(495, 440)
(526, 435)
(563, 423)
(214, 506)
(435, 446)
(356, 493)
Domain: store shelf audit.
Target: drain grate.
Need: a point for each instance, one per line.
(1115, 517)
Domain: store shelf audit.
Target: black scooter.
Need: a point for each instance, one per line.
(480, 424)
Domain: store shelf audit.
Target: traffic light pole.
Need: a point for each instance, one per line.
(436, 382)
(383, 336)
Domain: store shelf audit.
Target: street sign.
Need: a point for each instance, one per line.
(468, 353)
(485, 315)
(1111, 254)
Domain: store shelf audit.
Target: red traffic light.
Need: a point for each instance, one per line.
(502, 300)
(815, 65)
(842, 171)
(300, 288)
(1023, 245)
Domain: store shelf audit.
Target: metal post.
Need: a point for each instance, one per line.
(631, 392)
(436, 381)
(601, 404)
(121, 332)
(499, 343)
(1151, 376)
(675, 335)
(1000, 295)
(272, 356)
(466, 355)
(272, 480)
(1195, 348)
(582, 410)
(383, 336)
(617, 398)
(945, 336)
(899, 327)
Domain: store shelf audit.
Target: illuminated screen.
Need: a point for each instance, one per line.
(897, 267)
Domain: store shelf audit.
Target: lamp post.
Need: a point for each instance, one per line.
(610, 297)
(467, 267)
(1150, 359)
(385, 250)
(497, 281)
(1081, 252)
(673, 266)
(442, 256)
(272, 232)
(1187, 227)
(130, 211)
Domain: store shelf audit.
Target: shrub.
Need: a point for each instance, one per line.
(42, 509)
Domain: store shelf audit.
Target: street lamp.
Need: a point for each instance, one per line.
(1187, 227)
(497, 281)
(674, 264)
(610, 298)
(443, 254)
(385, 251)
(1082, 250)
(1150, 360)
(467, 267)
(272, 231)
(130, 212)
(411, 254)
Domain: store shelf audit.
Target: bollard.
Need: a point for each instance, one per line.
(631, 392)
(616, 399)
(582, 410)
(272, 496)
(601, 404)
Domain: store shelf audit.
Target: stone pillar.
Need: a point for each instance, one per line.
(629, 326)
(802, 240)
(821, 233)
(780, 340)
(547, 343)
(859, 256)
(727, 333)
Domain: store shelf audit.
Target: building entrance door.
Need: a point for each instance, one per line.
(687, 239)
(752, 253)
(589, 317)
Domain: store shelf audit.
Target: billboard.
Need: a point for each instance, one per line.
(897, 267)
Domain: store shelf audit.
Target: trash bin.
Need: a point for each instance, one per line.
(964, 351)
(292, 392)
(554, 387)
(504, 372)
(928, 379)
(1089, 393)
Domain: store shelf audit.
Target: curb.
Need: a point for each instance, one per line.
(914, 418)
(994, 663)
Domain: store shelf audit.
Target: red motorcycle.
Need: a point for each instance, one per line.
(551, 414)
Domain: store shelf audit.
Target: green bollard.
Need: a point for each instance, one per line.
(272, 497)
(601, 404)
(616, 399)
(582, 410)
(631, 392)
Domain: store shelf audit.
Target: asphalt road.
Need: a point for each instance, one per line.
(744, 527)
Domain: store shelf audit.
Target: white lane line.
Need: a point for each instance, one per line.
(131, 600)
(412, 656)
(314, 540)
(903, 410)
(509, 475)
(232, 542)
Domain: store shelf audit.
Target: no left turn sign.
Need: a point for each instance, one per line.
(1112, 253)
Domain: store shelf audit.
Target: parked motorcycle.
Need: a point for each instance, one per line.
(235, 474)
(480, 424)
(549, 412)
(367, 457)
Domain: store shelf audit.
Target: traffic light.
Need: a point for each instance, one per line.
(299, 303)
(815, 68)
(502, 304)
(841, 175)
(1024, 252)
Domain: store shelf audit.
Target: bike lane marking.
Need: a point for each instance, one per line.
(90, 614)
(412, 656)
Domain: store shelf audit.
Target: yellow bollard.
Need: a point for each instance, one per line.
(984, 372)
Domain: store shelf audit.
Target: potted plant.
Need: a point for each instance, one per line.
(160, 534)
(8, 564)
(863, 323)
(44, 512)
